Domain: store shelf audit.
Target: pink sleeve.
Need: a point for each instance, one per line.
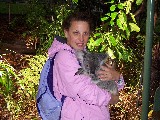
(73, 85)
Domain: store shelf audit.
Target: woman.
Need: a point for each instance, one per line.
(85, 100)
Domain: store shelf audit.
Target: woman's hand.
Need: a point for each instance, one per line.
(108, 73)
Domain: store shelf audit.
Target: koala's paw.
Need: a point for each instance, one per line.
(110, 86)
(80, 71)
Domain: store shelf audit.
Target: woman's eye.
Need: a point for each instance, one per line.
(76, 33)
(86, 33)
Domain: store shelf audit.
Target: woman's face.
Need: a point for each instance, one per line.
(78, 34)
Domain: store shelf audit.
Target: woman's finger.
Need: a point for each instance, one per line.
(105, 77)
(104, 68)
(109, 65)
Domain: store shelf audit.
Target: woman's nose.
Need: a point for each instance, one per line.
(81, 38)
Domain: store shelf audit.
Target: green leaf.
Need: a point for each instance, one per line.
(111, 23)
(112, 8)
(97, 34)
(75, 1)
(121, 18)
(103, 48)
(120, 55)
(123, 36)
(128, 6)
(113, 15)
(112, 1)
(98, 42)
(104, 18)
(120, 6)
(110, 53)
(134, 27)
(127, 32)
(113, 40)
(133, 18)
(119, 24)
(138, 2)
(1, 72)
(124, 17)
(108, 14)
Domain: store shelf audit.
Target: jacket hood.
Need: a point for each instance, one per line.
(58, 44)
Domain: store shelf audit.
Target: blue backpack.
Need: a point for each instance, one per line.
(49, 108)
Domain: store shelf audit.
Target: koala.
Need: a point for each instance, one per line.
(90, 64)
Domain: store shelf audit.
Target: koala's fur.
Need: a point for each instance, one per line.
(90, 63)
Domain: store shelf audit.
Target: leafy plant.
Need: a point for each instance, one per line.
(111, 37)
(45, 22)
(8, 77)
(7, 73)
(19, 88)
(29, 78)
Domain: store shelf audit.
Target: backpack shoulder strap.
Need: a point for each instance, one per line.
(50, 74)
(46, 79)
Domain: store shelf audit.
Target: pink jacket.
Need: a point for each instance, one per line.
(85, 100)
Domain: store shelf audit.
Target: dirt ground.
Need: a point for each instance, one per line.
(11, 36)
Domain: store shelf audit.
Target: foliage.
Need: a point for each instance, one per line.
(6, 75)
(118, 36)
(133, 71)
(29, 78)
(8, 87)
(119, 22)
(45, 22)
(17, 87)
(75, 1)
